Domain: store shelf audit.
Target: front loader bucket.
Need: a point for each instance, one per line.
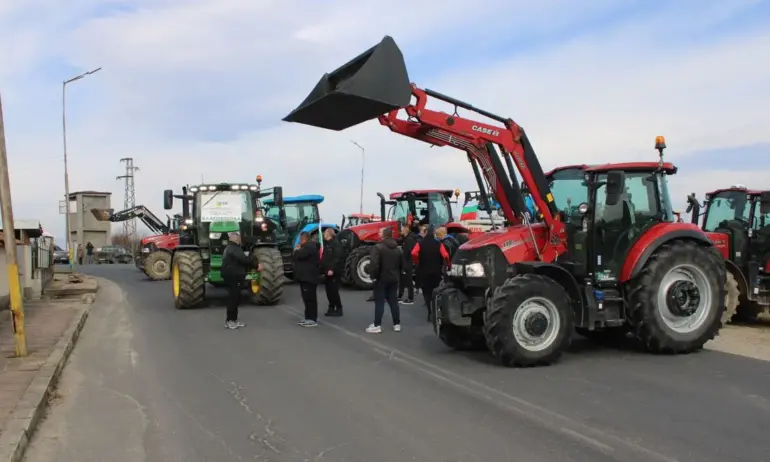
(102, 214)
(372, 84)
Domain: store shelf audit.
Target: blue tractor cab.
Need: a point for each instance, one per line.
(298, 214)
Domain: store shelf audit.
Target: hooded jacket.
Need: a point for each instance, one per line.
(386, 263)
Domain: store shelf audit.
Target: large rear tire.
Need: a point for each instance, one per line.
(271, 278)
(529, 321)
(188, 282)
(677, 302)
(459, 338)
(358, 264)
(158, 265)
(732, 298)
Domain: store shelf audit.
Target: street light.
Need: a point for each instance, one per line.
(363, 156)
(70, 250)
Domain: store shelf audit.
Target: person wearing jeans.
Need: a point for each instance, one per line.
(307, 272)
(385, 269)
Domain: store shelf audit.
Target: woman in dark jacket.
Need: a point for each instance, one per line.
(331, 268)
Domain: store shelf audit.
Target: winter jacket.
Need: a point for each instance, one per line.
(307, 263)
(386, 263)
(430, 256)
(235, 263)
(451, 245)
(332, 256)
(410, 241)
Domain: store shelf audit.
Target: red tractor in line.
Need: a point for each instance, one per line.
(424, 206)
(605, 256)
(355, 219)
(737, 219)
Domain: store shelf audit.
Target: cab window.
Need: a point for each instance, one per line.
(569, 190)
(726, 207)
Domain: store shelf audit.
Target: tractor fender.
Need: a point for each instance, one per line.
(649, 242)
(311, 228)
(184, 247)
(558, 274)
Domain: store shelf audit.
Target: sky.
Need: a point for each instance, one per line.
(196, 89)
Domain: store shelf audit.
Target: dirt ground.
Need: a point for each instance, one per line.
(751, 341)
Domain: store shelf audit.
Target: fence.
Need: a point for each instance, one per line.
(42, 253)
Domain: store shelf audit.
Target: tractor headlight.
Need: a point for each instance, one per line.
(473, 270)
(264, 226)
(188, 221)
(214, 235)
(146, 250)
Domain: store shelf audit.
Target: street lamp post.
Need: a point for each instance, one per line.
(363, 157)
(70, 249)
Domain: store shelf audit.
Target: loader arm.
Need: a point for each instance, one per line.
(141, 212)
(479, 141)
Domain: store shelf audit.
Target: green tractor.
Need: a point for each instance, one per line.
(210, 212)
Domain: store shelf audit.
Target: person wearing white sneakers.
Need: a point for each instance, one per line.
(385, 269)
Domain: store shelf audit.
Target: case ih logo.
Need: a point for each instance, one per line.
(486, 131)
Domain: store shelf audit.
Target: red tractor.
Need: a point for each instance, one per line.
(424, 206)
(604, 255)
(737, 219)
(355, 219)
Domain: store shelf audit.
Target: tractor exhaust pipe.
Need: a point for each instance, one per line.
(370, 85)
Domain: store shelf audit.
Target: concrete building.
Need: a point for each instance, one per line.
(84, 227)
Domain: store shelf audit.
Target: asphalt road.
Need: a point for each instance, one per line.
(150, 383)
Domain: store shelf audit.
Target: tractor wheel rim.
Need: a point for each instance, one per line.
(175, 278)
(684, 299)
(362, 269)
(159, 266)
(536, 324)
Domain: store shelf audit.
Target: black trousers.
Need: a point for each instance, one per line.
(407, 282)
(332, 286)
(382, 293)
(429, 284)
(310, 299)
(234, 288)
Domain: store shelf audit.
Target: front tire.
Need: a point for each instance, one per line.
(678, 300)
(270, 287)
(529, 321)
(158, 265)
(188, 282)
(358, 264)
(459, 338)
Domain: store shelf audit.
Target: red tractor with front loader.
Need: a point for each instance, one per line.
(737, 219)
(423, 206)
(611, 260)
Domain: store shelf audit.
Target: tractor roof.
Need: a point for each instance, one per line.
(311, 198)
(420, 192)
(668, 167)
(750, 192)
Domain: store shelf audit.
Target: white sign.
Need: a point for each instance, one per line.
(221, 206)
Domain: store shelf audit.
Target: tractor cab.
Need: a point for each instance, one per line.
(737, 220)
(209, 213)
(420, 207)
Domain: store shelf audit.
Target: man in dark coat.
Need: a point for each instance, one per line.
(235, 265)
(331, 267)
(385, 269)
(407, 268)
(431, 258)
(307, 270)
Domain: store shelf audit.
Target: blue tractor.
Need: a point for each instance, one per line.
(298, 214)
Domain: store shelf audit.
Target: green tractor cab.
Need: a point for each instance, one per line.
(209, 213)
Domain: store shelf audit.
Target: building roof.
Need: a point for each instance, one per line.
(89, 193)
(2, 240)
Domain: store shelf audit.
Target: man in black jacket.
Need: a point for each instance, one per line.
(407, 269)
(385, 269)
(331, 267)
(235, 265)
(307, 271)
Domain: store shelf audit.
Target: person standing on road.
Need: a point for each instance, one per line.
(307, 269)
(89, 253)
(431, 257)
(385, 269)
(407, 268)
(331, 267)
(80, 254)
(422, 230)
(235, 265)
(448, 241)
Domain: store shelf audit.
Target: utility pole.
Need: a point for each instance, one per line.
(11, 260)
(363, 157)
(70, 246)
(129, 200)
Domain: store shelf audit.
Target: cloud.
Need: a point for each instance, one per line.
(193, 89)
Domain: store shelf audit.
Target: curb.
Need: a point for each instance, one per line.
(31, 409)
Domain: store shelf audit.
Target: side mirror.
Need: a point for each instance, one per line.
(764, 202)
(615, 187)
(168, 199)
(278, 196)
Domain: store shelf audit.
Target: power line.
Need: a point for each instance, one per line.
(129, 197)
